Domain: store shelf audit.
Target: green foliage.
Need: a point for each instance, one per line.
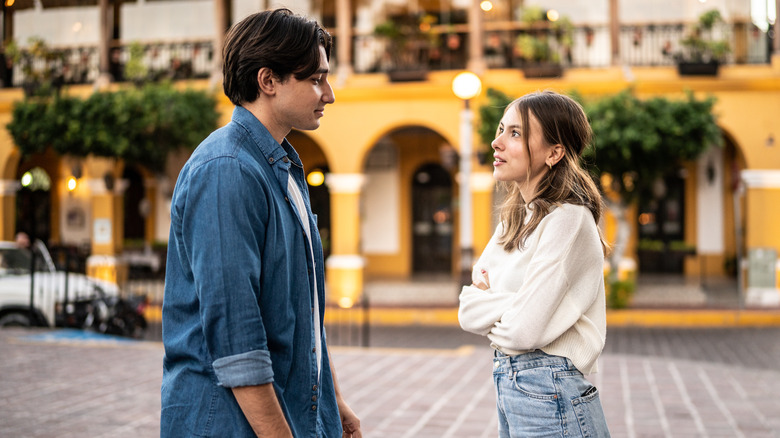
(637, 141)
(139, 125)
(543, 39)
(135, 68)
(619, 293)
(490, 115)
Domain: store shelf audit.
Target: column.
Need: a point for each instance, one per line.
(107, 233)
(343, 39)
(482, 188)
(762, 237)
(8, 189)
(614, 31)
(476, 61)
(105, 18)
(222, 23)
(344, 267)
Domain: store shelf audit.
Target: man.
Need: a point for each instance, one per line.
(245, 352)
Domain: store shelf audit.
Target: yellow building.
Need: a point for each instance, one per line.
(384, 171)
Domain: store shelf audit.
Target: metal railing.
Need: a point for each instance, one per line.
(443, 48)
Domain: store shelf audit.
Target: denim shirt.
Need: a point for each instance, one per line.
(238, 298)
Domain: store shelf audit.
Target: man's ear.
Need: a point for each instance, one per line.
(266, 81)
(557, 152)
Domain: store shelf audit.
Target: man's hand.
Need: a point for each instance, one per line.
(349, 422)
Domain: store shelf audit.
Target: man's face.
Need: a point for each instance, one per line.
(301, 103)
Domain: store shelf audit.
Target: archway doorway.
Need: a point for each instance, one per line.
(33, 204)
(432, 226)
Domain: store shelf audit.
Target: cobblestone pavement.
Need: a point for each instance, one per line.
(413, 382)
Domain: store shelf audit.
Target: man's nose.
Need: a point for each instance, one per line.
(329, 96)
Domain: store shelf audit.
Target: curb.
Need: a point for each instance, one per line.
(439, 316)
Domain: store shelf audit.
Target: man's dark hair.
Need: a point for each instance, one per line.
(286, 43)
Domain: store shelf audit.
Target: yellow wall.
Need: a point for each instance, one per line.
(368, 107)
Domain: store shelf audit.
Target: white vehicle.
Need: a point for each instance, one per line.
(54, 298)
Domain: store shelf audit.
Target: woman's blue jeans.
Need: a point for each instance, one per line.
(539, 395)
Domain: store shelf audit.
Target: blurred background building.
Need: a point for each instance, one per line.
(387, 171)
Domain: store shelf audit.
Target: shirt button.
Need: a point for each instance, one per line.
(271, 160)
(495, 364)
(313, 407)
(314, 388)
(286, 160)
(286, 199)
(314, 398)
(314, 350)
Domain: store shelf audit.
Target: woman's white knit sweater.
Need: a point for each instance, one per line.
(548, 295)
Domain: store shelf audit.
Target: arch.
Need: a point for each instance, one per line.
(390, 128)
(386, 199)
(34, 203)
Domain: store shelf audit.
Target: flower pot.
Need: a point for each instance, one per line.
(411, 75)
(698, 68)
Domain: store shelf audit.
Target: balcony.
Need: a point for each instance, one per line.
(443, 48)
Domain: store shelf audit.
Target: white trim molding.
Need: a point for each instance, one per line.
(482, 182)
(345, 182)
(346, 261)
(761, 179)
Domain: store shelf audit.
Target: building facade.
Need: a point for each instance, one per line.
(385, 169)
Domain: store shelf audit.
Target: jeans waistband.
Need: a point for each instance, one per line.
(532, 359)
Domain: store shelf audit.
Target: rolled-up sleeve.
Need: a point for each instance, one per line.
(252, 368)
(224, 226)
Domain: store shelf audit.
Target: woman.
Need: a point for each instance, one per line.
(538, 288)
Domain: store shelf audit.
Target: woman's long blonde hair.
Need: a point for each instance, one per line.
(563, 122)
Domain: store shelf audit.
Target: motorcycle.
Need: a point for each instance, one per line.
(112, 315)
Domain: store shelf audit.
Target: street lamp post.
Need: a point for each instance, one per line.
(466, 86)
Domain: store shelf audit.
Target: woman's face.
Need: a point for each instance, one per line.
(512, 160)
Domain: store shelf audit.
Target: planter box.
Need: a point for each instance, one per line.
(542, 71)
(698, 68)
(408, 75)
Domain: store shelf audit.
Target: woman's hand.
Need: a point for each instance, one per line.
(483, 283)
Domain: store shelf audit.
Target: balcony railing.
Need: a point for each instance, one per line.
(80, 65)
(447, 49)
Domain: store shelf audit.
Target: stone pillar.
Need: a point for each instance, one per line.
(344, 267)
(8, 189)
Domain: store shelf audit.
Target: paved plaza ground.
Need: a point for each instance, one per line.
(412, 382)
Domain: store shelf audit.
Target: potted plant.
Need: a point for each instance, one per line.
(409, 39)
(701, 52)
(41, 78)
(546, 37)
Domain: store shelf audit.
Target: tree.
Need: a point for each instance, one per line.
(639, 142)
(138, 125)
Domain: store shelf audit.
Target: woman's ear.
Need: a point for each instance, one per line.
(556, 154)
(266, 81)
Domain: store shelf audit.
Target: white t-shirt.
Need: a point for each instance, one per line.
(297, 198)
